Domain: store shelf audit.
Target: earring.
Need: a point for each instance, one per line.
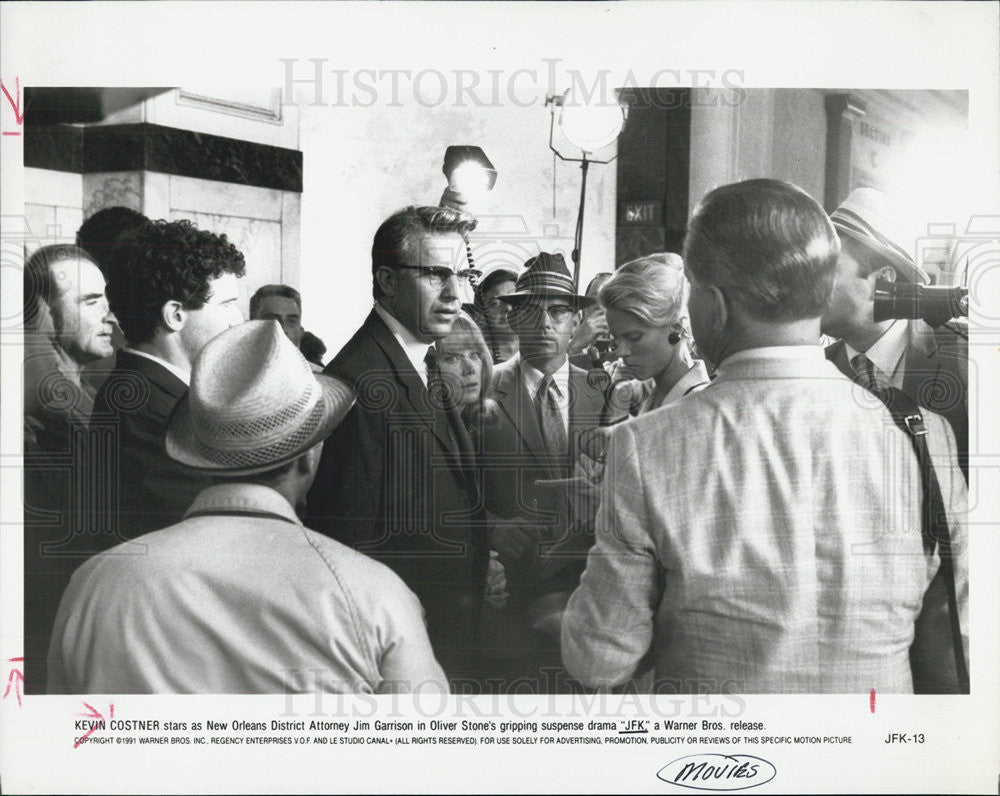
(674, 338)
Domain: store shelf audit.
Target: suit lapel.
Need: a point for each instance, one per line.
(920, 361)
(414, 391)
(516, 404)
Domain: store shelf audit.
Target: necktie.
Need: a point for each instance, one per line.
(868, 376)
(431, 365)
(550, 418)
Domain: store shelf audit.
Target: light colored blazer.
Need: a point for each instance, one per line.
(239, 598)
(935, 375)
(763, 536)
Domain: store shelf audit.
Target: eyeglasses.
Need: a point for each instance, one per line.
(438, 276)
(558, 313)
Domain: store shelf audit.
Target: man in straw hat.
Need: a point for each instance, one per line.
(546, 404)
(750, 539)
(931, 365)
(239, 597)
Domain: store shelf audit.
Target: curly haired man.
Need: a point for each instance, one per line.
(173, 288)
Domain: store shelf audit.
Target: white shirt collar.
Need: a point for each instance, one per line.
(183, 375)
(887, 352)
(533, 379)
(414, 349)
(795, 352)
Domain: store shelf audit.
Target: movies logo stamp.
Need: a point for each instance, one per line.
(718, 772)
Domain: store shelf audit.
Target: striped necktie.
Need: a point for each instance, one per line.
(550, 418)
(868, 376)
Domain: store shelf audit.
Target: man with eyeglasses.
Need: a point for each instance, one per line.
(397, 480)
(547, 407)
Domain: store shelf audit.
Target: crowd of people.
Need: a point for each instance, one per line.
(661, 484)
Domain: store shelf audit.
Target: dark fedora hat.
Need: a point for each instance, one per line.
(546, 276)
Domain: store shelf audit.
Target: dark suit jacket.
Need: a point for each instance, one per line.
(56, 523)
(514, 457)
(153, 490)
(936, 376)
(391, 484)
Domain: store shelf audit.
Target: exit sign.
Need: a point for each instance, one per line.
(642, 213)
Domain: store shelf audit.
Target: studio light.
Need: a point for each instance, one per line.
(589, 127)
(469, 171)
(470, 176)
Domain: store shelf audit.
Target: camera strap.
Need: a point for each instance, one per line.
(934, 521)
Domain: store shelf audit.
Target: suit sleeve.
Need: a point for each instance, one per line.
(932, 655)
(608, 624)
(346, 496)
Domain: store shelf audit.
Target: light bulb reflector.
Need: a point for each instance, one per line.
(591, 127)
(470, 178)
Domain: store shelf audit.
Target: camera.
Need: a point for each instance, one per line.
(932, 304)
(601, 350)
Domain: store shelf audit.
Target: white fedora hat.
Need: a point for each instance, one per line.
(871, 218)
(254, 404)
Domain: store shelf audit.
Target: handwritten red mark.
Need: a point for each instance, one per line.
(15, 104)
(14, 680)
(871, 701)
(93, 714)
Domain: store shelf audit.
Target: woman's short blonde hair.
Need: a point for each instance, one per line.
(652, 288)
(485, 407)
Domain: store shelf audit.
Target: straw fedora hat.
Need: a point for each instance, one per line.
(869, 217)
(254, 404)
(546, 276)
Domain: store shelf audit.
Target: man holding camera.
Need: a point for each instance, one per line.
(929, 364)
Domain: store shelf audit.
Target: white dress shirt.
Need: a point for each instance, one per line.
(414, 349)
(533, 379)
(886, 354)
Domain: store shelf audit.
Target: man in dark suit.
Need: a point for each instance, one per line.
(67, 325)
(397, 480)
(173, 288)
(548, 410)
(930, 365)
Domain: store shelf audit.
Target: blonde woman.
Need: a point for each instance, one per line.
(466, 368)
(645, 303)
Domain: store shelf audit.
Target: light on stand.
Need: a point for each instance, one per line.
(470, 176)
(469, 171)
(589, 128)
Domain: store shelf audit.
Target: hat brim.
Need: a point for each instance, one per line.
(335, 401)
(906, 268)
(516, 298)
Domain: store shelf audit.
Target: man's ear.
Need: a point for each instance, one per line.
(307, 463)
(173, 315)
(385, 278)
(720, 307)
